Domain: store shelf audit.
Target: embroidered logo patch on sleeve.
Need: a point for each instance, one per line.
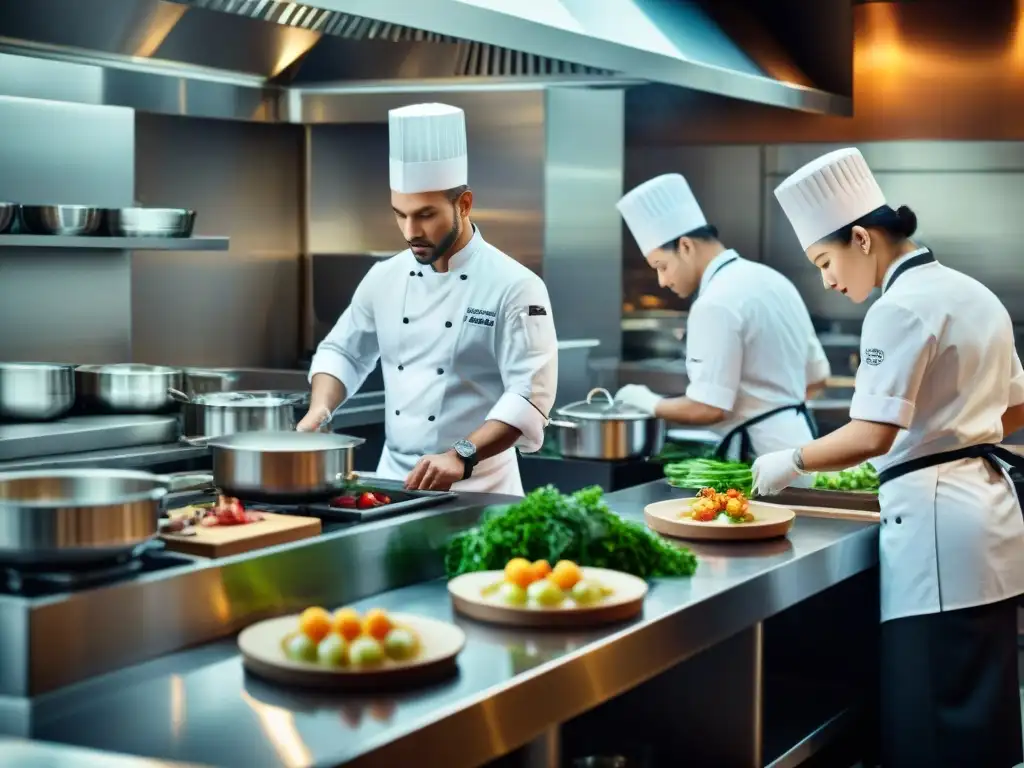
(873, 356)
(536, 311)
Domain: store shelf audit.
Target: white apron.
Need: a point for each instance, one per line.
(951, 538)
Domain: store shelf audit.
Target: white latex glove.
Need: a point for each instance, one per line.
(774, 472)
(638, 396)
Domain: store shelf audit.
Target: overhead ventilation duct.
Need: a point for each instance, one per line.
(467, 59)
(255, 59)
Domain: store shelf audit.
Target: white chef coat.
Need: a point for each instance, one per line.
(456, 349)
(751, 348)
(938, 361)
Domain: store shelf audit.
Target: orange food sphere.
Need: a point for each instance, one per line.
(315, 623)
(541, 568)
(565, 574)
(377, 623)
(347, 623)
(519, 572)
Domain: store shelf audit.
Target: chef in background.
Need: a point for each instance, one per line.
(464, 333)
(938, 386)
(751, 351)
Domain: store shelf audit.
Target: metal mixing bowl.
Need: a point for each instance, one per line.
(150, 222)
(59, 219)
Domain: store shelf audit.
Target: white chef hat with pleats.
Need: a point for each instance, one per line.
(427, 148)
(660, 210)
(829, 193)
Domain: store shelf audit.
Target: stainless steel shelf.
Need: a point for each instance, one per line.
(101, 243)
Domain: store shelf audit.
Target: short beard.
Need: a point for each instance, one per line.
(446, 244)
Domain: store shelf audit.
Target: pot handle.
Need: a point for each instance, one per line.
(563, 424)
(600, 391)
(196, 442)
(187, 481)
(179, 396)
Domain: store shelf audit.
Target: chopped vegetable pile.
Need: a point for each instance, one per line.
(364, 500)
(711, 505)
(703, 473)
(862, 478)
(548, 525)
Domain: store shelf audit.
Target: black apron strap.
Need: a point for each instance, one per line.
(988, 451)
(746, 446)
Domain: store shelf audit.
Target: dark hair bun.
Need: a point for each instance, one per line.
(908, 221)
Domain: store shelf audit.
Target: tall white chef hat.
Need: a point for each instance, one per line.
(427, 148)
(660, 210)
(829, 193)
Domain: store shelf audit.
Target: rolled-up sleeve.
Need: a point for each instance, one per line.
(527, 354)
(714, 354)
(350, 351)
(818, 368)
(895, 350)
(1016, 381)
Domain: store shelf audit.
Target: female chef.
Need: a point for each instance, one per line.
(939, 385)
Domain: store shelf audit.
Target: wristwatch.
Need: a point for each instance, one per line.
(798, 461)
(467, 452)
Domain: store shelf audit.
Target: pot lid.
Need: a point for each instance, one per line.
(601, 406)
(261, 399)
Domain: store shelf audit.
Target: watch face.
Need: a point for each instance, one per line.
(465, 449)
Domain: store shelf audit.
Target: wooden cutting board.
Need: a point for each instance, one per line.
(227, 540)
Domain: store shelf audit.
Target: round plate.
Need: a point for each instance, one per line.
(625, 601)
(769, 522)
(263, 655)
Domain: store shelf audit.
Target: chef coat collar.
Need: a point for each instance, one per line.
(459, 261)
(717, 263)
(895, 267)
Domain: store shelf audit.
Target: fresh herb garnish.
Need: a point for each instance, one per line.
(548, 525)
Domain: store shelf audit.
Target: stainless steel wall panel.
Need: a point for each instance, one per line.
(584, 141)
(59, 304)
(65, 306)
(239, 308)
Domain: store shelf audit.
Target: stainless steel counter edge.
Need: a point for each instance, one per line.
(513, 684)
(40, 754)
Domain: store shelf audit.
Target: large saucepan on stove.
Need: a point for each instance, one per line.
(599, 428)
(281, 466)
(80, 516)
(224, 413)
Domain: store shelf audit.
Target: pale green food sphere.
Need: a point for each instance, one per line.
(400, 644)
(587, 592)
(300, 648)
(365, 651)
(332, 651)
(545, 593)
(512, 594)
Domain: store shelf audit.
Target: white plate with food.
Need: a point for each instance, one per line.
(714, 516)
(534, 594)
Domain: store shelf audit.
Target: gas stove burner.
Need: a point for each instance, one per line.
(49, 577)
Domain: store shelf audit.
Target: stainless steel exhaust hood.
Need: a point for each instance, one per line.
(261, 55)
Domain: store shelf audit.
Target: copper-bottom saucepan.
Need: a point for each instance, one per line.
(72, 517)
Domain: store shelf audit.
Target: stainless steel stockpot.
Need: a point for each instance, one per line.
(604, 430)
(224, 413)
(127, 387)
(36, 391)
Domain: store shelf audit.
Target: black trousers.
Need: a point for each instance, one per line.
(950, 695)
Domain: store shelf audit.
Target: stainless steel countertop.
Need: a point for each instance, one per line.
(38, 754)
(199, 705)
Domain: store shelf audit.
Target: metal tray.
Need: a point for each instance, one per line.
(402, 502)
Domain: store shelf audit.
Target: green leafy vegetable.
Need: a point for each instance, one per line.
(676, 452)
(862, 478)
(710, 473)
(547, 525)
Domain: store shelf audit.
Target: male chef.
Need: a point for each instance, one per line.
(464, 333)
(752, 355)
